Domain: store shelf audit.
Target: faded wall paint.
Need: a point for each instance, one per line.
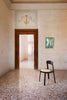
(4, 38)
(53, 23)
(25, 19)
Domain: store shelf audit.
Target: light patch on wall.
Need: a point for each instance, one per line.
(65, 59)
(25, 19)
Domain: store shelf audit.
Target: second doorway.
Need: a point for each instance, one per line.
(26, 51)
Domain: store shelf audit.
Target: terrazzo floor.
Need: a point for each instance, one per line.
(24, 84)
(27, 64)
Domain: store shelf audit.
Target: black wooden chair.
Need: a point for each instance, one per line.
(47, 71)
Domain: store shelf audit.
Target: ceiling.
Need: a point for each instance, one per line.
(38, 1)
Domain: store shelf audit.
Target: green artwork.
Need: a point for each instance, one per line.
(49, 42)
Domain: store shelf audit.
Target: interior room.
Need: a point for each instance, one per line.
(33, 35)
(26, 51)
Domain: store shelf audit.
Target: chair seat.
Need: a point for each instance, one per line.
(46, 70)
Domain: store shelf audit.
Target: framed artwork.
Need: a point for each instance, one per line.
(49, 42)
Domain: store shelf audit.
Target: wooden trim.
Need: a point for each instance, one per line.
(26, 32)
(39, 1)
(11, 1)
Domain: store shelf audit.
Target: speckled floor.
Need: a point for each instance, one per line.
(27, 64)
(24, 84)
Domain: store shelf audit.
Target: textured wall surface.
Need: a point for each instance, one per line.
(11, 39)
(4, 37)
(53, 23)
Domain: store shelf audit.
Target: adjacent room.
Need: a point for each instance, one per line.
(26, 51)
(33, 49)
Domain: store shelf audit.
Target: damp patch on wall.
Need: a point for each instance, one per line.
(25, 19)
(49, 42)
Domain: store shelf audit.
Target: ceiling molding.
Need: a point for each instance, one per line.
(44, 6)
(38, 1)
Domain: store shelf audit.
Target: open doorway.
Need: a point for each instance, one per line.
(30, 32)
(26, 51)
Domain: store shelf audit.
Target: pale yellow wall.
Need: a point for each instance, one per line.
(6, 39)
(20, 19)
(11, 39)
(53, 23)
(4, 31)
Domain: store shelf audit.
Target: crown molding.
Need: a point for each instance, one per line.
(35, 6)
(28, 2)
(44, 6)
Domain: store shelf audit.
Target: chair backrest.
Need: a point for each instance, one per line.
(51, 63)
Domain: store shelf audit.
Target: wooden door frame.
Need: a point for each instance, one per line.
(26, 32)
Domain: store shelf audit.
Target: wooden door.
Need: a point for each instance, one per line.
(26, 32)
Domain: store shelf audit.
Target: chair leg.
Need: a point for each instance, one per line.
(44, 78)
(54, 77)
(39, 75)
(48, 76)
